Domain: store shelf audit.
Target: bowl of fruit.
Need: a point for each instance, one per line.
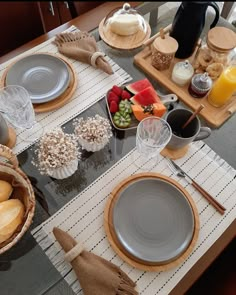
(128, 105)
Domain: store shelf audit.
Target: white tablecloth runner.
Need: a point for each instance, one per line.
(92, 86)
(82, 217)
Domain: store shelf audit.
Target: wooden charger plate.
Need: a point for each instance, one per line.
(213, 115)
(60, 100)
(108, 224)
(12, 138)
(123, 42)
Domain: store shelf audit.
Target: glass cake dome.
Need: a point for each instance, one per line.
(126, 21)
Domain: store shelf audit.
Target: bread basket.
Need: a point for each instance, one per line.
(22, 190)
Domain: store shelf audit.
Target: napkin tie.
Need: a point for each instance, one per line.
(82, 46)
(95, 56)
(74, 252)
(96, 275)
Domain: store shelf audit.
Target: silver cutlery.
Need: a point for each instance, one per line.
(179, 172)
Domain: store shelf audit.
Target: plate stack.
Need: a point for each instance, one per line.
(151, 222)
(49, 79)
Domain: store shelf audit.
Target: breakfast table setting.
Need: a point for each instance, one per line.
(117, 156)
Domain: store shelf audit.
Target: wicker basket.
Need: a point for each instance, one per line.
(22, 190)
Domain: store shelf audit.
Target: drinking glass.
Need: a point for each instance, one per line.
(17, 108)
(153, 134)
(223, 88)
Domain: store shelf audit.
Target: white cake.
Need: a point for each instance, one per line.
(125, 25)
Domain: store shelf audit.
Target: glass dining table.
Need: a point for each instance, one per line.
(25, 269)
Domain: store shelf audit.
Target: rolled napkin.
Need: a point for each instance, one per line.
(96, 275)
(82, 46)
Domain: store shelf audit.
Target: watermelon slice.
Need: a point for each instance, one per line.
(138, 86)
(145, 97)
(141, 112)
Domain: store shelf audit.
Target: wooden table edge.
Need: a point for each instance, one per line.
(205, 261)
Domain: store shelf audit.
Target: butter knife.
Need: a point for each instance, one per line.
(220, 208)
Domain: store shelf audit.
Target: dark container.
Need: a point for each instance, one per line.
(188, 24)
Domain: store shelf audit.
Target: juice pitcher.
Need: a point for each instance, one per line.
(188, 24)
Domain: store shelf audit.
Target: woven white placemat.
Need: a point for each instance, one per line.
(92, 86)
(82, 217)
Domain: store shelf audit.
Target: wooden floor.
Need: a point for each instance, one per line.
(220, 277)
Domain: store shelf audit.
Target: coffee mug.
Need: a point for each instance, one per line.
(192, 132)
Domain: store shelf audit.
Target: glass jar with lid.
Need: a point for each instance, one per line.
(213, 55)
(200, 85)
(125, 22)
(182, 72)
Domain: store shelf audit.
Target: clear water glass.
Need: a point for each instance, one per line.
(17, 108)
(153, 134)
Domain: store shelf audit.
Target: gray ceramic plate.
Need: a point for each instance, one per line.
(153, 220)
(44, 76)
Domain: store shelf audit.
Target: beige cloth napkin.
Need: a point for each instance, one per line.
(96, 275)
(83, 47)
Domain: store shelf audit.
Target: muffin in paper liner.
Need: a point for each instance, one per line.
(64, 171)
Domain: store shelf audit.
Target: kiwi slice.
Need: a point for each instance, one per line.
(122, 119)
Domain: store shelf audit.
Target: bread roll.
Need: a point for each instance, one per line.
(5, 190)
(3, 238)
(11, 215)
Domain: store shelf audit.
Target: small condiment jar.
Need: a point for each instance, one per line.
(182, 72)
(200, 85)
(163, 51)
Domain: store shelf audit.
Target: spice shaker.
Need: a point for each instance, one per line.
(182, 72)
(200, 85)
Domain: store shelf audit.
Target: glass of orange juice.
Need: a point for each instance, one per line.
(223, 88)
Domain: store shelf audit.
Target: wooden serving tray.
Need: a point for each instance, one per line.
(108, 224)
(214, 116)
(60, 100)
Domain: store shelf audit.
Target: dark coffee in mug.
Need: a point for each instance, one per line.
(176, 124)
(192, 132)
